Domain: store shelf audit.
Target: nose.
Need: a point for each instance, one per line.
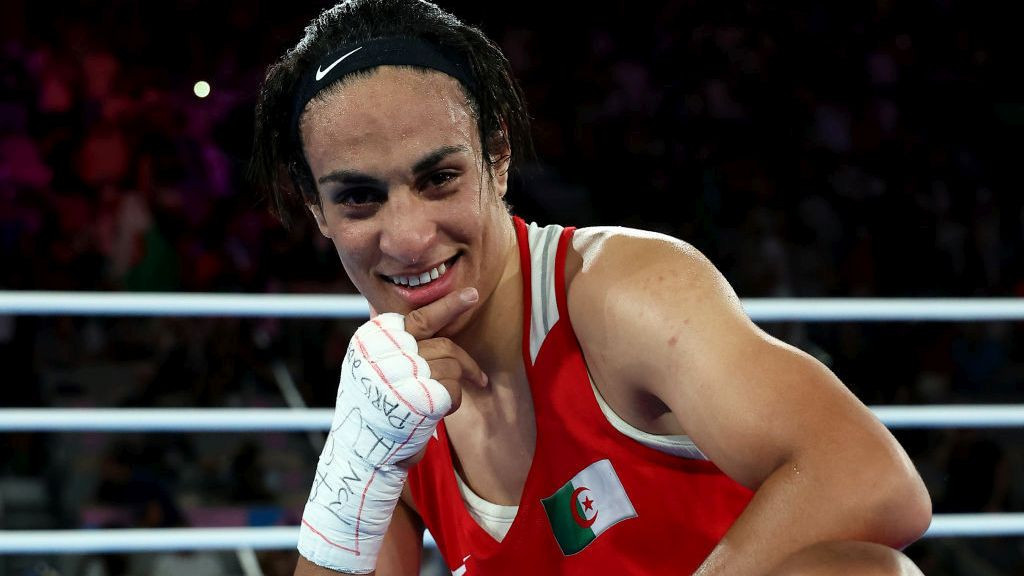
(408, 229)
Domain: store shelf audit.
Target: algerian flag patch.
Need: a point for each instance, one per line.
(586, 506)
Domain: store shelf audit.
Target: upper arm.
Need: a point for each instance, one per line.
(653, 314)
(400, 553)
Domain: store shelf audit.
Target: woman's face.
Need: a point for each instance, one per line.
(398, 165)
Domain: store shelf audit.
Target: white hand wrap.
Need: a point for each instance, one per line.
(388, 406)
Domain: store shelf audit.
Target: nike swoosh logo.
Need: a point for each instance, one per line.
(321, 73)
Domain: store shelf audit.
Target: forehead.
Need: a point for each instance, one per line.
(368, 114)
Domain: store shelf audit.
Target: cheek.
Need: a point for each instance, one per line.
(353, 247)
(469, 222)
(479, 207)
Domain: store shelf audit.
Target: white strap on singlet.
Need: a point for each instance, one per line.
(496, 519)
(543, 301)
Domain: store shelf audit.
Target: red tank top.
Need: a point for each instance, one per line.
(595, 500)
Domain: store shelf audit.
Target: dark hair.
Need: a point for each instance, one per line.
(279, 165)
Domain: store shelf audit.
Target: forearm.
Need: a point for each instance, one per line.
(387, 409)
(799, 505)
(400, 554)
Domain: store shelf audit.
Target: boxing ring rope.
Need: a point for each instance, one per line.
(101, 541)
(353, 306)
(319, 419)
(82, 541)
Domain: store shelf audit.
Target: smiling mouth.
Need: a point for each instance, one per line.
(426, 277)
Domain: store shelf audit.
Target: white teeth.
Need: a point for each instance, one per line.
(420, 279)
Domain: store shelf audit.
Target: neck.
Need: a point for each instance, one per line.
(494, 339)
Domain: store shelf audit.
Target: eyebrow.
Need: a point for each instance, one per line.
(422, 165)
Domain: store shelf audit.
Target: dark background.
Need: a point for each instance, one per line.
(859, 149)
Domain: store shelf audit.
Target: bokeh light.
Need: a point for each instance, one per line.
(201, 89)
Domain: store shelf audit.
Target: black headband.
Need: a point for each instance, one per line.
(396, 51)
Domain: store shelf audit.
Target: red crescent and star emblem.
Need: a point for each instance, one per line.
(587, 504)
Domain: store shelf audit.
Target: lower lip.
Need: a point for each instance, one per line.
(419, 296)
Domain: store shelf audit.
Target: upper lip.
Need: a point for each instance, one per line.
(421, 270)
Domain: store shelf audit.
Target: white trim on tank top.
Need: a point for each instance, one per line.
(496, 519)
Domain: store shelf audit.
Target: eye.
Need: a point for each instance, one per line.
(440, 179)
(358, 196)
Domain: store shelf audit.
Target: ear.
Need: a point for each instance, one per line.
(499, 153)
(318, 216)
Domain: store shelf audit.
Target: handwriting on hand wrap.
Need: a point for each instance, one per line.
(335, 501)
(379, 396)
(368, 429)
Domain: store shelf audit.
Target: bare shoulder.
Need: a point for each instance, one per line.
(637, 297)
(603, 245)
(609, 260)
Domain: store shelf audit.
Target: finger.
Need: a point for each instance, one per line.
(449, 373)
(426, 321)
(442, 348)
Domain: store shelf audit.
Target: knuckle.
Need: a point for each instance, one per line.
(444, 344)
(451, 365)
(427, 350)
(415, 319)
(436, 367)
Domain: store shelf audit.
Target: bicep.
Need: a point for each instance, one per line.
(400, 552)
(656, 317)
(753, 403)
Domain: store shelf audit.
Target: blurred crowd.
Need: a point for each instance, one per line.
(810, 150)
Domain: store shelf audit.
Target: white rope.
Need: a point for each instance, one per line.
(976, 525)
(88, 541)
(163, 419)
(354, 306)
(99, 541)
(183, 304)
(319, 419)
(952, 416)
(884, 309)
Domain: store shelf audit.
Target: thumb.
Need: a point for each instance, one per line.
(424, 322)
